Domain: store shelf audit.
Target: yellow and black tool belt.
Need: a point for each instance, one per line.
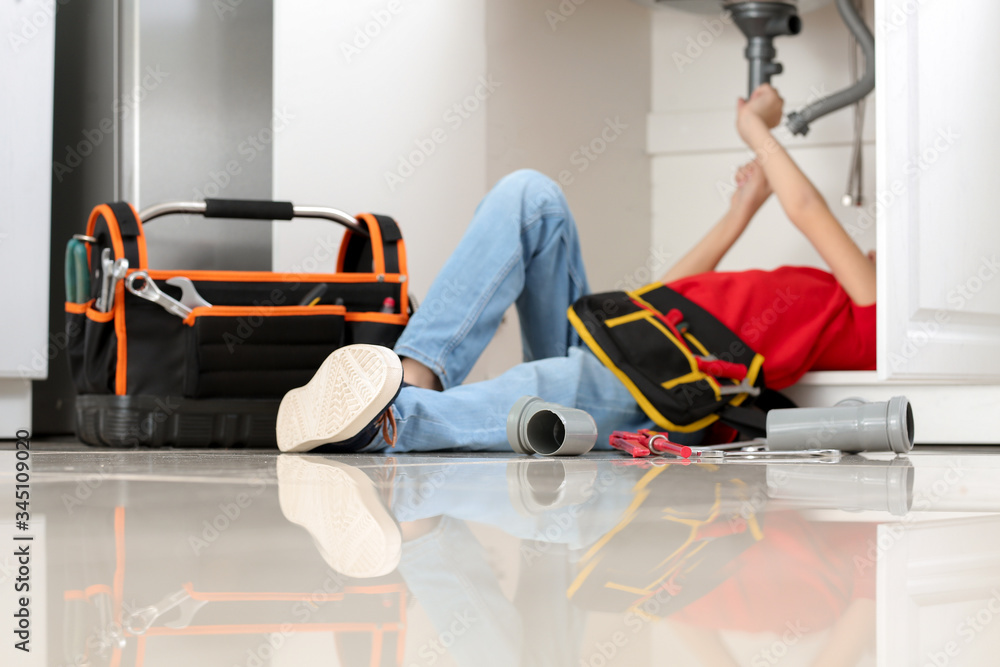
(683, 366)
(202, 357)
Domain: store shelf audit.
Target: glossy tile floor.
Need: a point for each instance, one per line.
(253, 558)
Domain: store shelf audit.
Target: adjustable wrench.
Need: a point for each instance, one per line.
(189, 295)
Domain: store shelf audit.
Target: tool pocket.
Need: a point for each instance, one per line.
(374, 328)
(92, 348)
(258, 351)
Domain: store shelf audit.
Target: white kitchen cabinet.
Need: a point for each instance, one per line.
(26, 68)
(929, 147)
(938, 240)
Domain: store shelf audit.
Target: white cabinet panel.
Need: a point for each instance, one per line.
(939, 244)
(27, 71)
(26, 66)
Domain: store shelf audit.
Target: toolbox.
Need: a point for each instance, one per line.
(201, 358)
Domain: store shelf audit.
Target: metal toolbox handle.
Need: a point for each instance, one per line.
(253, 210)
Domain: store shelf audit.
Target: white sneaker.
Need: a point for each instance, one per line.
(343, 403)
(341, 508)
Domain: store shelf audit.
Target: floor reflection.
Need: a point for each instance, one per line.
(253, 559)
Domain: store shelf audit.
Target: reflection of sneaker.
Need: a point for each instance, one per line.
(344, 403)
(341, 508)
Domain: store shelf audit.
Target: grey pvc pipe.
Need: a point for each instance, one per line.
(761, 23)
(798, 121)
(537, 427)
(850, 426)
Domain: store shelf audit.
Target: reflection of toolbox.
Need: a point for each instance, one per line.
(153, 367)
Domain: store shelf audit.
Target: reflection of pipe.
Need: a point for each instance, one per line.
(761, 22)
(546, 484)
(798, 121)
(852, 485)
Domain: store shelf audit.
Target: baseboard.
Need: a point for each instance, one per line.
(943, 414)
(15, 406)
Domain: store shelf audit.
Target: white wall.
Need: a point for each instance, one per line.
(356, 109)
(571, 71)
(698, 73)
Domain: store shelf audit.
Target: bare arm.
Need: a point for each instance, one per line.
(801, 201)
(752, 191)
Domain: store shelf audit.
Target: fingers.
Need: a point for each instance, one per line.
(763, 89)
(745, 172)
(766, 90)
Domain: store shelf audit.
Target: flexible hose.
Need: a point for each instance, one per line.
(798, 122)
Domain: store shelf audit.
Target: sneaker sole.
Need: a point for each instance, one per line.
(340, 507)
(351, 388)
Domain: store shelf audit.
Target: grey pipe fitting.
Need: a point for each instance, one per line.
(798, 121)
(761, 22)
(850, 426)
(549, 429)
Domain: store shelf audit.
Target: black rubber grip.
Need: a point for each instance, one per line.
(249, 209)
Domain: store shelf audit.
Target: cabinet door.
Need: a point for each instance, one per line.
(938, 207)
(27, 71)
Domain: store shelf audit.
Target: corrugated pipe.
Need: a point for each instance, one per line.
(798, 121)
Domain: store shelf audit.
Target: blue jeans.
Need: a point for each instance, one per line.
(521, 248)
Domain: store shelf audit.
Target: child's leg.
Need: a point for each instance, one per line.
(473, 417)
(522, 247)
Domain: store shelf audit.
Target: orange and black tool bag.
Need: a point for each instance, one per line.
(684, 367)
(214, 377)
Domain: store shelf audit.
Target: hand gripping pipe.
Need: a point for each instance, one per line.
(798, 121)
